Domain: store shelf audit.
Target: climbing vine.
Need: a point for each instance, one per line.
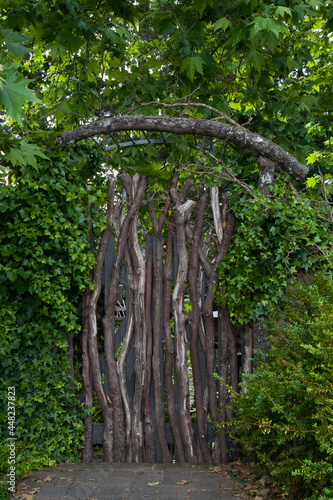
(275, 238)
(44, 269)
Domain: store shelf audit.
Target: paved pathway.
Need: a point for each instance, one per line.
(104, 481)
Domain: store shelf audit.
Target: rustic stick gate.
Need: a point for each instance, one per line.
(120, 323)
(145, 396)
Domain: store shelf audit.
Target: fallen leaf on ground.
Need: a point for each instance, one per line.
(154, 484)
(47, 479)
(183, 481)
(92, 479)
(26, 496)
(34, 491)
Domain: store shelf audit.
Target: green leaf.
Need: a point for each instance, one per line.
(282, 11)
(123, 32)
(56, 50)
(307, 102)
(25, 155)
(276, 27)
(14, 93)
(14, 42)
(200, 5)
(254, 58)
(312, 158)
(223, 23)
(311, 182)
(268, 24)
(192, 65)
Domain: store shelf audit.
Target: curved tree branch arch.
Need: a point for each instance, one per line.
(238, 135)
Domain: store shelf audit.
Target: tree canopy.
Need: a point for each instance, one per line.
(66, 63)
(218, 86)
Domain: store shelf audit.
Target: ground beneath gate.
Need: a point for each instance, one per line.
(105, 481)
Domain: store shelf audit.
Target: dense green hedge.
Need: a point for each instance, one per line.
(285, 417)
(44, 268)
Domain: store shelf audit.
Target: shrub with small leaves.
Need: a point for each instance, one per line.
(285, 415)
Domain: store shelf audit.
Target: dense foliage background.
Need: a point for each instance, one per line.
(64, 63)
(284, 417)
(44, 266)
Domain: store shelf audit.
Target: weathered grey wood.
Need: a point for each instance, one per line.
(108, 263)
(118, 338)
(161, 330)
(174, 276)
(98, 430)
(235, 134)
(130, 375)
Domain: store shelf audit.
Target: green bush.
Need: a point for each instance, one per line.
(44, 268)
(285, 417)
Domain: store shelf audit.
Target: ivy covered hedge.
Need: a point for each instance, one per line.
(275, 238)
(44, 268)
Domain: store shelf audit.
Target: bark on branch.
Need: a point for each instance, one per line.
(266, 175)
(195, 325)
(205, 128)
(180, 318)
(169, 345)
(113, 375)
(92, 322)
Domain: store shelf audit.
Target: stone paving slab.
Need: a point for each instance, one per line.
(105, 481)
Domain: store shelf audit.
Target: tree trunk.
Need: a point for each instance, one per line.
(157, 334)
(122, 380)
(119, 432)
(148, 423)
(139, 270)
(180, 319)
(266, 175)
(128, 338)
(195, 325)
(93, 346)
(169, 346)
(223, 389)
(225, 227)
(233, 362)
(232, 347)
